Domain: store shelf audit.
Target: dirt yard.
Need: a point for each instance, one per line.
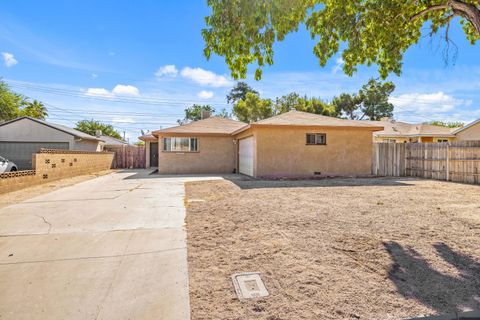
(334, 249)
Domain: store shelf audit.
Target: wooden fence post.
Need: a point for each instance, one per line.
(448, 162)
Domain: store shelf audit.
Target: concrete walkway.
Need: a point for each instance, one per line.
(108, 248)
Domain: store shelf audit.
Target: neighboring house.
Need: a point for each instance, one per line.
(110, 142)
(401, 132)
(21, 137)
(288, 145)
(470, 132)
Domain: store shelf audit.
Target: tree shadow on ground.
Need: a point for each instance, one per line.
(415, 278)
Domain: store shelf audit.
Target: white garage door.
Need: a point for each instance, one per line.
(245, 155)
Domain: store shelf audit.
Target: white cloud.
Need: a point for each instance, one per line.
(168, 70)
(99, 92)
(205, 77)
(427, 102)
(118, 90)
(9, 59)
(338, 65)
(94, 76)
(111, 53)
(422, 107)
(205, 94)
(126, 90)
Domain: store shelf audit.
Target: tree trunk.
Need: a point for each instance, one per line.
(467, 11)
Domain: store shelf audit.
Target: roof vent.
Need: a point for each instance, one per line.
(98, 133)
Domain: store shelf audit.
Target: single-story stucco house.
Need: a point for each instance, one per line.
(401, 132)
(21, 137)
(288, 145)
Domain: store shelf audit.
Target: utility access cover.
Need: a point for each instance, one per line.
(249, 285)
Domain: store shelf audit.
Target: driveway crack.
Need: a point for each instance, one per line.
(46, 222)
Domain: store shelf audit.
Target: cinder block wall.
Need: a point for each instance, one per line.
(51, 165)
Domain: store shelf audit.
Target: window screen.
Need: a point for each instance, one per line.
(316, 138)
(180, 144)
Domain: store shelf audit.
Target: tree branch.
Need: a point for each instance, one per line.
(429, 9)
(467, 11)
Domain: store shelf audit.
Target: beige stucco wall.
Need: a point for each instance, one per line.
(216, 154)
(471, 133)
(283, 152)
(147, 154)
(54, 166)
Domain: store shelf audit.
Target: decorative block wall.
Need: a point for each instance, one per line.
(50, 165)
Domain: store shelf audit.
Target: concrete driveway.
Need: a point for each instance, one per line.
(107, 248)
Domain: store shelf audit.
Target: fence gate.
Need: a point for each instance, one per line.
(128, 157)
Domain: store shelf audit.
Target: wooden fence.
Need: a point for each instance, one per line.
(129, 157)
(458, 162)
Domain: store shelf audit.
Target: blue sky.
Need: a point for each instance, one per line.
(138, 64)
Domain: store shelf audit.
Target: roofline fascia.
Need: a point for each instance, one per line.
(371, 128)
(50, 126)
(416, 135)
(466, 127)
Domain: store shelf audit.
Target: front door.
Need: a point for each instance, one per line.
(154, 154)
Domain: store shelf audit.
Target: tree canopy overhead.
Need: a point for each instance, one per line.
(374, 32)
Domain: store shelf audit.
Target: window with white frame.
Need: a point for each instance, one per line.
(180, 144)
(316, 138)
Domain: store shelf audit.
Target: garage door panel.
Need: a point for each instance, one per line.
(246, 156)
(21, 152)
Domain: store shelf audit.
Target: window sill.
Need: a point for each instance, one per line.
(315, 144)
(180, 152)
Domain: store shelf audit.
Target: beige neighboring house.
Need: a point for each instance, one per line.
(109, 143)
(21, 137)
(402, 132)
(293, 144)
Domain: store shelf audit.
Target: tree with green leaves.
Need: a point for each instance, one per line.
(239, 92)
(91, 127)
(369, 32)
(347, 104)
(14, 105)
(370, 102)
(194, 113)
(293, 101)
(446, 124)
(253, 108)
(35, 109)
(374, 97)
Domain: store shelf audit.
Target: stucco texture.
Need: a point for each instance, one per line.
(470, 134)
(216, 154)
(282, 151)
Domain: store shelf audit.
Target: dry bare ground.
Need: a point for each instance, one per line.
(334, 249)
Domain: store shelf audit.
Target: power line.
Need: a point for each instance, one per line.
(149, 99)
(113, 98)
